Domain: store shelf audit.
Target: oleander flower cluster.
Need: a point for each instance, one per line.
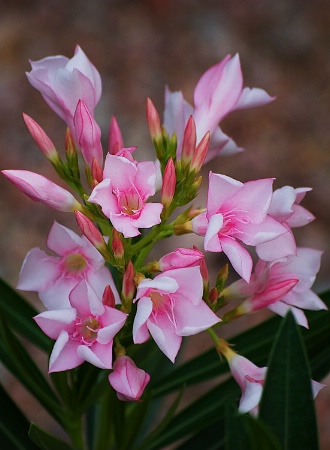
(102, 296)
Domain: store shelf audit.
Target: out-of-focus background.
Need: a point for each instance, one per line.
(138, 47)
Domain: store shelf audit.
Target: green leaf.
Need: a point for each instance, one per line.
(287, 404)
(45, 441)
(163, 424)
(260, 437)
(14, 426)
(236, 437)
(21, 365)
(19, 315)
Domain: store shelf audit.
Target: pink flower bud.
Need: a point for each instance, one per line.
(181, 257)
(200, 153)
(41, 139)
(90, 231)
(189, 141)
(97, 172)
(115, 140)
(117, 245)
(169, 182)
(128, 288)
(128, 380)
(108, 298)
(153, 121)
(40, 189)
(88, 134)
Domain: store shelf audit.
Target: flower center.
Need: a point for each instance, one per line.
(74, 263)
(130, 202)
(158, 299)
(86, 330)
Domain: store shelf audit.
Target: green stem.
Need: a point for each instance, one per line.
(74, 428)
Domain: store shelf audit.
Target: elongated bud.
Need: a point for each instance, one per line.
(222, 277)
(115, 139)
(200, 153)
(41, 139)
(153, 120)
(40, 189)
(88, 134)
(96, 171)
(213, 296)
(189, 141)
(70, 147)
(169, 182)
(204, 272)
(128, 287)
(117, 246)
(91, 232)
(108, 298)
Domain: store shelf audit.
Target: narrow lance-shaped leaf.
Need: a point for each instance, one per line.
(287, 404)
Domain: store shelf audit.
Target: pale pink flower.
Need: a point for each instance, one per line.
(83, 332)
(181, 257)
(41, 189)
(251, 379)
(282, 285)
(218, 92)
(128, 380)
(88, 135)
(53, 277)
(170, 306)
(123, 193)
(236, 213)
(285, 208)
(63, 82)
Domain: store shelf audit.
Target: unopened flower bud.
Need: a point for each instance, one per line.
(91, 232)
(169, 183)
(115, 140)
(153, 121)
(108, 298)
(96, 171)
(117, 246)
(41, 139)
(189, 141)
(128, 380)
(200, 153)
(40, 189)
(128, 287)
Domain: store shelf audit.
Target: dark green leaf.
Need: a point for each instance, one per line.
(287, 404)
(260, 437)
(45, 441)
(19, 315)
(21, 365)
(14, 427)
(236, 437)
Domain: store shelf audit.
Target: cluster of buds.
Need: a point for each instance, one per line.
(89, 309)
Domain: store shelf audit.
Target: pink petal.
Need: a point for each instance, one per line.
(99, 355)
(64, 355)
(239, 257)
(192, 318)
(140, 330)
(164, 335)
(253, 97)
(54, 322)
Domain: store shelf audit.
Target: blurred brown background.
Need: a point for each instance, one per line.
(138, 47)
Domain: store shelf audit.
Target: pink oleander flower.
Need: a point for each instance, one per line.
(88, 135)
(128, 380)
(123, 193)
(63, 82)
(170, 306)
(285, 208)
(181, 257)
(236, 213)
(83, 332)
(251, 380)
(282, 285)
(40, 189)
(218, 92)
(53, 277)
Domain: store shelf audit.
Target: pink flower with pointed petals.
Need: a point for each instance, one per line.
(63, 82)
(53, 277)
(236, 213)
(128, 380)
(218, 92)
(83, 332)
(40, 189)
(170, 306)
(282, 285)
(285, 208)
(251, 380)
(123, 193)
